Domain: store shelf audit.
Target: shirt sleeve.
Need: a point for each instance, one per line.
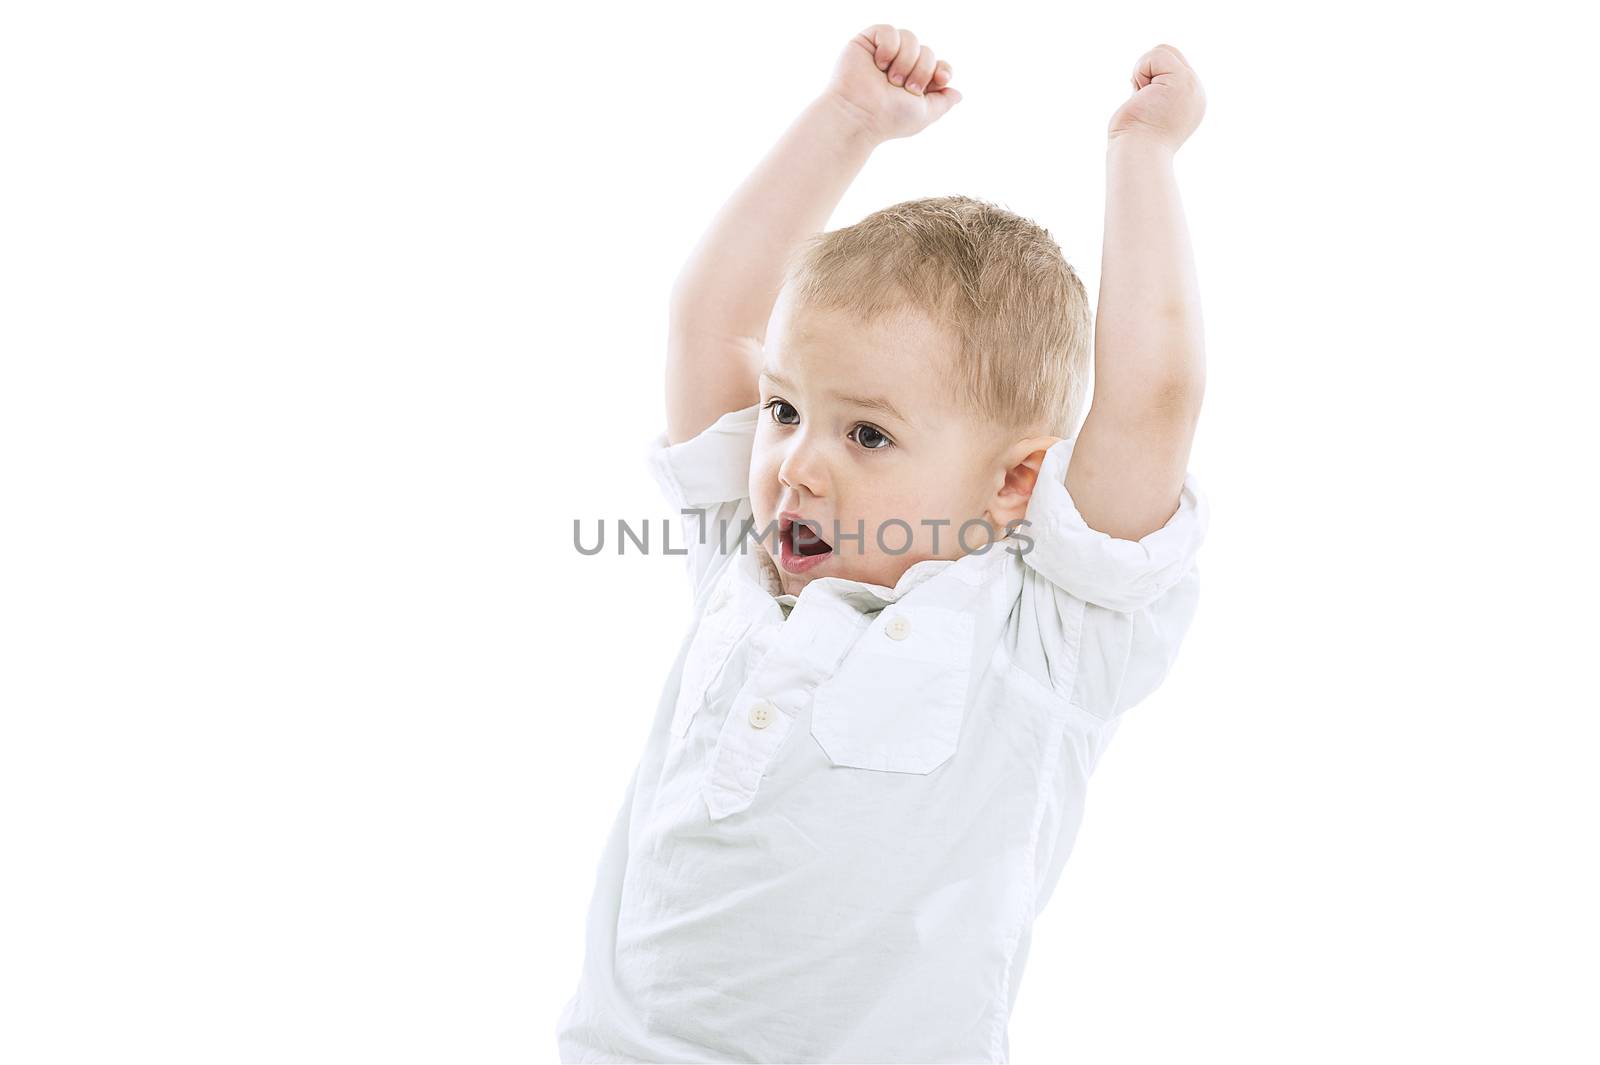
(1109, 614)
(1099, 568)
(708, 475)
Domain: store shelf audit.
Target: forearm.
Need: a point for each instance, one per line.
(1149, 338)
(731, 279)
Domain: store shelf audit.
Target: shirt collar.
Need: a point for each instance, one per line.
(864, 596)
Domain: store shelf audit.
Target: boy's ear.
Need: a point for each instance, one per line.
(1020, 471)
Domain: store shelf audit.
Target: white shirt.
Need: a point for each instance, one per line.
(845, 821)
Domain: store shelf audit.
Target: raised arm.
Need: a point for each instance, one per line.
(884, 85)
(1132, 453)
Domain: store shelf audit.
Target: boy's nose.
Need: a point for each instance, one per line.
(802, 471)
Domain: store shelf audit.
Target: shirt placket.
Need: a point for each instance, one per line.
(807, 650)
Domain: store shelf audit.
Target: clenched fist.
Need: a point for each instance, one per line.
(1167, 101)
(891, 82)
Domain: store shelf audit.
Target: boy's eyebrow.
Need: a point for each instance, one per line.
(876, 403)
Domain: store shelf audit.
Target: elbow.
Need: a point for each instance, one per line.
(1167, 403)
(1178, 397)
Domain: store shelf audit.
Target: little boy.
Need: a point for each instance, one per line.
(868, 765)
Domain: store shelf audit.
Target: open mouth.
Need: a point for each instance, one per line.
(807, 542)
(801, 544)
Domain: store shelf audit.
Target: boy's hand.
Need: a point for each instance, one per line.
(891, 83)
(1167, 101)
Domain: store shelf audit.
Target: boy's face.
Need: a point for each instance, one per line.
(852, 467)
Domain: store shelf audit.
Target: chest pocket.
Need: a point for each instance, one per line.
(897, 700)
(720, 630)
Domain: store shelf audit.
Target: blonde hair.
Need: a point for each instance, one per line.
(995, 281)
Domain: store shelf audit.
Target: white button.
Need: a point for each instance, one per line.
(761, 713)
(718, 600)
(898, 627)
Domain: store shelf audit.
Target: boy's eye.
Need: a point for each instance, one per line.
(867, 436)
(774, 404)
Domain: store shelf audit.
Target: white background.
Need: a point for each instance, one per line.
(323, 322)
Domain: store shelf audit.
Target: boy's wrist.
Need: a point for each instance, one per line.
(845, 121)
(1141, 145)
